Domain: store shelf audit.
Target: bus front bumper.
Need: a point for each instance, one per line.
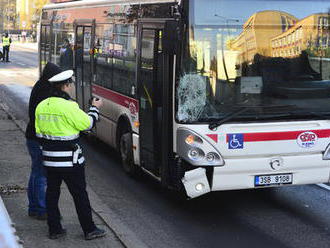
(195, 182)
(309, 170)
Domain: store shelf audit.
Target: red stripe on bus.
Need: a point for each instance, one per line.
(213, 136)
(273, 136)
(115, 97)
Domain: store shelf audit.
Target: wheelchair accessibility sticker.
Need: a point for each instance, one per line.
(235, 141)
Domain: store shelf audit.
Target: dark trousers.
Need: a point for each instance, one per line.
(5, 51)
(75, 180)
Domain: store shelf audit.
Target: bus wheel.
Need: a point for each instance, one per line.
(126, 153)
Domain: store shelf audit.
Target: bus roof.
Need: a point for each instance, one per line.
(92, 3)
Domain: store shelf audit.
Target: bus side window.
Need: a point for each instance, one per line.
(103, 55)
(62, 53)
(124, 59)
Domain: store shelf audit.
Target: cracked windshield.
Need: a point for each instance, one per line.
(270, 62)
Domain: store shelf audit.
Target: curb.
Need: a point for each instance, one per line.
(8, 237)
(123, 233)
(7, 227)
(126, 236)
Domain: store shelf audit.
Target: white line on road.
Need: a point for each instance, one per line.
(322, 185)
(22, 64)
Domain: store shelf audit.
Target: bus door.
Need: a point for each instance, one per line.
(45, 45)
(83, 52)
(150, 81)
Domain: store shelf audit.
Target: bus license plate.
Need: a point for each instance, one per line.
(278, 179)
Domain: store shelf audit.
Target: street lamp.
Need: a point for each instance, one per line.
(222, 42)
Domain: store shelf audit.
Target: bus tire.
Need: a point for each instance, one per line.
(126, 154)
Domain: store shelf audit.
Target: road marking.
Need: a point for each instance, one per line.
(22, 64)
(322, 185)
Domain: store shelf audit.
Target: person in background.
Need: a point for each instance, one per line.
(66, 56)
(58, 123)
(37, 182)
(6, 41)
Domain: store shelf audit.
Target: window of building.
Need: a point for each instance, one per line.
(284, 23)
(324, 41)
(300, 33)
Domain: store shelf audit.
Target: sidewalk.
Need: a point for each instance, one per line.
(14, 173)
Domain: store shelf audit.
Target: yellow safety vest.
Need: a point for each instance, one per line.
(60, 119)
(5, 41)
(58, 123)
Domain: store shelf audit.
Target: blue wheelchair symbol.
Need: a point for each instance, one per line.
(235, 141)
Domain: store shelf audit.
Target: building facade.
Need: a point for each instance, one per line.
(28, 13)
(279, 34)
(310, 34)
(8, 15)
(258, 31)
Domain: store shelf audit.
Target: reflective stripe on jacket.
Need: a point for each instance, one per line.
(67, 158)
(58, 123)
(5, 41)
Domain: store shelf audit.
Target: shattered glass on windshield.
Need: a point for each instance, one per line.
(191, 97)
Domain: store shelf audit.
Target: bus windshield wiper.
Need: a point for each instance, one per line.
(230, 116)
(322, 115)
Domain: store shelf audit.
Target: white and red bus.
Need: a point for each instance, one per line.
(204, 95)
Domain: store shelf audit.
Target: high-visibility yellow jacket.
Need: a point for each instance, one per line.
(5, 41)
(58, 123)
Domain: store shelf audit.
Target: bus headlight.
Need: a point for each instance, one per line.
(196, 154)
(193, 140)
(199, 187)
(197, 150)
(211, 157)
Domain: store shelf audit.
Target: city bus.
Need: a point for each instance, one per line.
(202, 95)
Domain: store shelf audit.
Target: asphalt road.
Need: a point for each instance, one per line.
(277, 217)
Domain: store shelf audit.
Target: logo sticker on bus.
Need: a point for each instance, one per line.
(132, 108)
(235, 141)
(307, 139)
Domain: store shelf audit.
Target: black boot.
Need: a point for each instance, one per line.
(57, 235)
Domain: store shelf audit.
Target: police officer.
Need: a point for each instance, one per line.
(58, 123)
(37, 181)
(5, 47)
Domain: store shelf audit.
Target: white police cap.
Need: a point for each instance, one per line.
(63, 76)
